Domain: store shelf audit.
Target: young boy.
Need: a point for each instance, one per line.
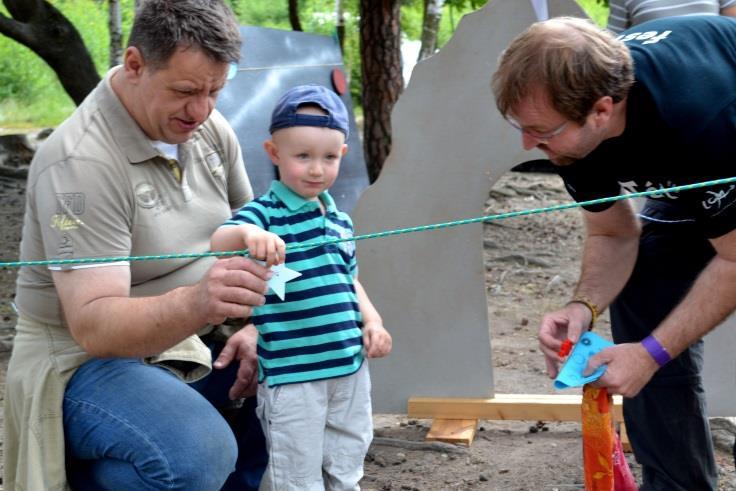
(314, 387)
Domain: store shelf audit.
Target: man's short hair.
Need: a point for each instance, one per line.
(163, 26)
(572, 60)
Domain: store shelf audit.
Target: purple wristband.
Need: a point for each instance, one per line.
(658, 352)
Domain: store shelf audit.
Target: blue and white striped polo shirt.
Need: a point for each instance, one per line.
(315, 333)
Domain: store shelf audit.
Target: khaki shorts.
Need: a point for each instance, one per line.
(317, 432)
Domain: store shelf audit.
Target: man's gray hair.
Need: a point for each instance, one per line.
(163, 26)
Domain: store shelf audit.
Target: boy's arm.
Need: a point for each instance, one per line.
(376, 339)
(231, 237)
(261, 244)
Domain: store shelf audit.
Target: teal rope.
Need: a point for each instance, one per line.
(388, 233)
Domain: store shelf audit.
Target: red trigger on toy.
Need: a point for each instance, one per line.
(565, 348)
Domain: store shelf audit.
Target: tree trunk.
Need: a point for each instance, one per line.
(380, 53)
(430, 27)
(39, 26)
(116, 33)
(340, 23)
(296, 25)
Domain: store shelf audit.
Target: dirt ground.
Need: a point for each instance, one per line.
(531, 265)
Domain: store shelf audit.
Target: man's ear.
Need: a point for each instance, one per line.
(133, 63)
(272, 151)
(603, 109)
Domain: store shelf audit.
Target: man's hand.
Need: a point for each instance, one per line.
(376, 340)
(630, 367)
(567, 323)
(241, 346)
(264, 245)
(231, 288)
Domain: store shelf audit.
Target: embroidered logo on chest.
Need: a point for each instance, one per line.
(214, 163)
(147, 196)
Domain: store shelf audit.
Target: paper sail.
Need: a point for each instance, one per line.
(571, 373)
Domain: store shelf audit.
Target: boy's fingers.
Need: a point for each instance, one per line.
(273, 255)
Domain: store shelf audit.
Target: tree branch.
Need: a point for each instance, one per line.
(23, 10)
(296, 25)
(52, 37)
(14, 30)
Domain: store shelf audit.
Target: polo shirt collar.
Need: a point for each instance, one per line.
(294, 202)
(129, 137)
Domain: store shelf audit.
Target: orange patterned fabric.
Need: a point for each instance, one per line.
(598, 439)
(604, 463)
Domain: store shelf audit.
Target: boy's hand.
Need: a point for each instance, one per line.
(376, 340)
(265, 246)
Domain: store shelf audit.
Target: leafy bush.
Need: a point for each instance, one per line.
(30, 93)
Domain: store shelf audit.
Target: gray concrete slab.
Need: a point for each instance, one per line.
(449, 146)
(719, 371)
(273, 61)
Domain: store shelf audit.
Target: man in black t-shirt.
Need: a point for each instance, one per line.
(653, 108)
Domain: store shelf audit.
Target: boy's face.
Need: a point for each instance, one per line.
(308, 158)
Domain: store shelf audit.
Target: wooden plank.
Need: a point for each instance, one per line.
(460, 431)
(533, 407)
(625, 442)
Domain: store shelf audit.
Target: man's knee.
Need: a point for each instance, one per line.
(205, 459)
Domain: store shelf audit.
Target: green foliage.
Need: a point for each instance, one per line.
(596, 10)
(30, 93)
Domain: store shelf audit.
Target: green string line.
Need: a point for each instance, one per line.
(388, 233)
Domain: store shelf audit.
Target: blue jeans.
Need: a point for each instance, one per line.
(129, 425)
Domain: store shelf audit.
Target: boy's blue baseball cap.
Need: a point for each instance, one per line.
(285, 113)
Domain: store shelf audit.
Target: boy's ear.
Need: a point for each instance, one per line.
(272, 151)
(344, 150)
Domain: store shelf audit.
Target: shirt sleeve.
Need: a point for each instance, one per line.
(350, 246)
(254, 213)
(724, 4)
(716, 206)
(84, 209)
(238, 185)
(584, 185)
(618, 16)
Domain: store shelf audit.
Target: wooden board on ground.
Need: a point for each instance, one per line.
(534, 407)
(460, 431)
(456, 419)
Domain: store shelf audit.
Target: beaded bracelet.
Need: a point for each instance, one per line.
(591, 306)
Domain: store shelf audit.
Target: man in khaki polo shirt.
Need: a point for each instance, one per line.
(98, 393)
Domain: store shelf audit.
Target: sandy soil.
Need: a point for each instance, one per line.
(531, 265)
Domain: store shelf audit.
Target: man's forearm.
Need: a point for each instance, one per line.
(606, 266)
(137, 327)
(105, 321)
(609, 253)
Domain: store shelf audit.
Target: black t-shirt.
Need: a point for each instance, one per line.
(680, 123)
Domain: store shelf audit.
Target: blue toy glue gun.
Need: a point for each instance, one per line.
(571, 374)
